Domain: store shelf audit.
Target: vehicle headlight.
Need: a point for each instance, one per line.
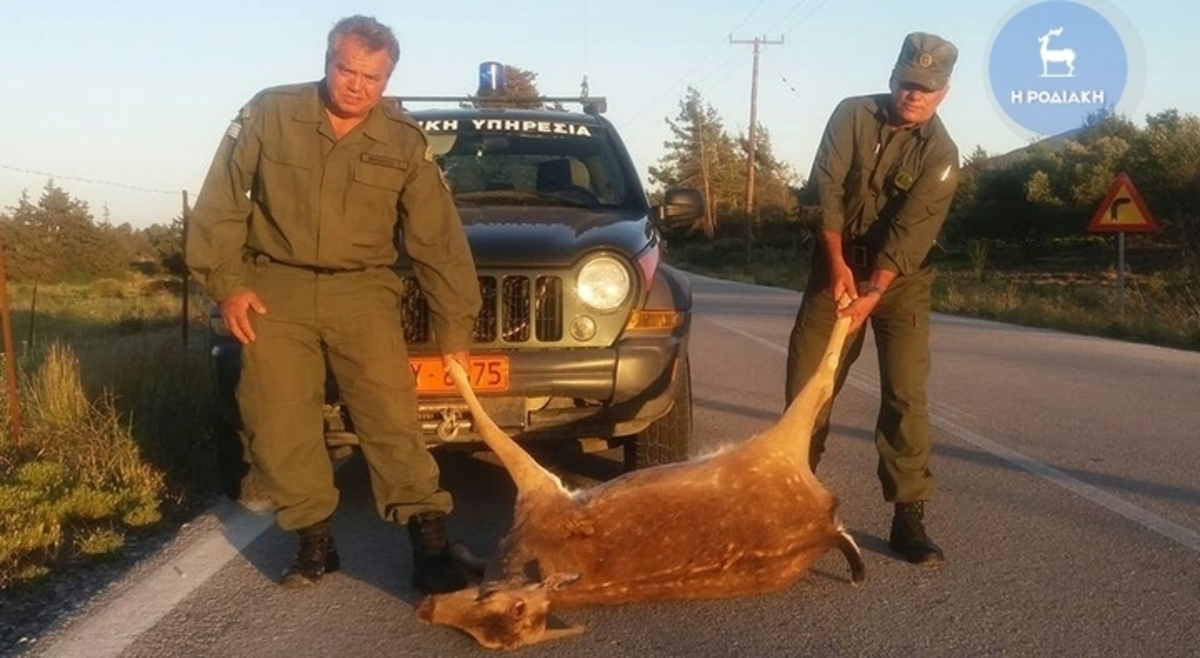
(603, 283)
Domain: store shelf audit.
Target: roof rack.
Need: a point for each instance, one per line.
(591, 104)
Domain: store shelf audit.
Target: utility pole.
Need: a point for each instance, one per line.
(752, 138)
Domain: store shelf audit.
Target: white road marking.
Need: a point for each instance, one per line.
(112, 629)
(940, 418)
(1168, 529)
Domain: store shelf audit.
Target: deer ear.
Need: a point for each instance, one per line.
(556, 633)
(559, 580)
(518, 610)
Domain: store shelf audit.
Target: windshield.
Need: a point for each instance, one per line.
(522, 162)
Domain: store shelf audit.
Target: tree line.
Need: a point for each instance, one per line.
(1028, 203)
(56, 239)
(1033, 201)
(1047, 193)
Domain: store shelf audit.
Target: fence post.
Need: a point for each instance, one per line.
(185, 275)
(10, 355)
(32, 318)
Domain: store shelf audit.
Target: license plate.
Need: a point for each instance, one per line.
(488, 374)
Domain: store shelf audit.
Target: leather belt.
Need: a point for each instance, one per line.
(857, 256)
(313, 268)
(328, 270)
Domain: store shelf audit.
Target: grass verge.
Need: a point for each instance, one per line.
(109, 446)
(1161, 308)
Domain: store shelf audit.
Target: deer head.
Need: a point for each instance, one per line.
(500, 615)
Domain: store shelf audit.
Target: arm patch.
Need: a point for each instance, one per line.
(235, 127)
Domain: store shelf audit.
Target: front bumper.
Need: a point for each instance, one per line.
(585, 393)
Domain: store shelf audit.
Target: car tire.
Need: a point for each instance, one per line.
(230, 457)
(668, 439)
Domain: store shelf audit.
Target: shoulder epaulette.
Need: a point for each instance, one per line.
(393, 111)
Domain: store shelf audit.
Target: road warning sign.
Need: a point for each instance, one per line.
(1122, 210)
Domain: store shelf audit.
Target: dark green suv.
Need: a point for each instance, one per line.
(583, 335)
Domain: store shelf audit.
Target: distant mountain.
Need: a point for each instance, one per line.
(1053, 143)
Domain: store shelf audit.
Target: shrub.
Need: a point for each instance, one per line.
(74, 481)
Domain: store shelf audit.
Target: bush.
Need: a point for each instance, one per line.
(109, 443)
(73, 481)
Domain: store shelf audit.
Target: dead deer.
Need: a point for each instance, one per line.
(747, 519)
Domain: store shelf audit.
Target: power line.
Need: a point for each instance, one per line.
(804, 17)
(633, 125)
(747, 18)
(93, 181)
(643, 120)
(751, 139)
(640, 124)
(790, 13)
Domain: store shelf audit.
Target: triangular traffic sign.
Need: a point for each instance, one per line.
(1122, 210)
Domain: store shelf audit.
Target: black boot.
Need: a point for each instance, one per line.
(434, 570)
(909, 538)
(317, 556)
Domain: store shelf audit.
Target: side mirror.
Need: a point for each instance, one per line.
(680, 205)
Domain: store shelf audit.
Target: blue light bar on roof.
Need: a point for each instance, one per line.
(491, 79)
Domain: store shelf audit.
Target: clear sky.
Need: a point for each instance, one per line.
(124, 101)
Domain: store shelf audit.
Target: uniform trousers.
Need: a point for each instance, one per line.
(900, 327)
(352, 320)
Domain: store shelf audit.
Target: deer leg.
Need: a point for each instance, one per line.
(846, 544)
(526, 473)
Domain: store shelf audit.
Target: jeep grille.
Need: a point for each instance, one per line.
(516, 309)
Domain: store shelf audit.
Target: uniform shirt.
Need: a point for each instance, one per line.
(282, 185)
(887, 189)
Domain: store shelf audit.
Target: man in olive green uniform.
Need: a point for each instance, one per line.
(885, 174)
(295, 233)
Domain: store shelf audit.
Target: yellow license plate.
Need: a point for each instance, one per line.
(489, 374)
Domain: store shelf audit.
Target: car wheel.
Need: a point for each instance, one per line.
(668, 439)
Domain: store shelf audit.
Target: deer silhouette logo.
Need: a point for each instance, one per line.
(1064, 56)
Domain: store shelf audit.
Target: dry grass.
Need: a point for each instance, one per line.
(1157, 308)
(108, 402)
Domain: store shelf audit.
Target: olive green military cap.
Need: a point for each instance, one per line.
(926, 60)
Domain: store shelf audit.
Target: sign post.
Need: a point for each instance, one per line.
(1122, 211)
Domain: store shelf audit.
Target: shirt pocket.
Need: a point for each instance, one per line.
(905, 171)
(373, 199)
(288, 180)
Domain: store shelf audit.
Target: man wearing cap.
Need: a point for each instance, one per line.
(884, 176)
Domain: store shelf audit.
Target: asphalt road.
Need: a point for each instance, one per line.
(1068, 506)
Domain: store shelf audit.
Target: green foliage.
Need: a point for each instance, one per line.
(1051, 189)
(521, 90)
(110, 440)
(702, 155)
(1158, 309)
(778, 257)
(977, 251)
(100, 542)
(163, 249)
(57, 239)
